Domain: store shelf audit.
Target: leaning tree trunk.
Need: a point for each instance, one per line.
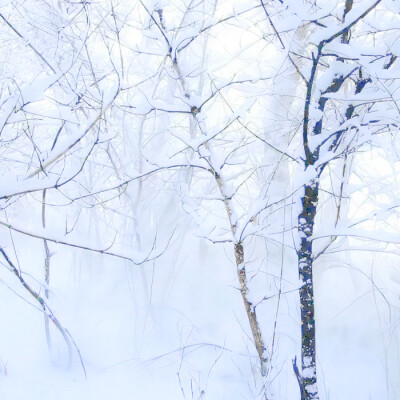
(250, 310)
(241, 272)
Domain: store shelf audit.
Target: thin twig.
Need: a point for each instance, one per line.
(28, 43)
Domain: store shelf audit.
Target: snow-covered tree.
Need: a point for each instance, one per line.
(184, 173)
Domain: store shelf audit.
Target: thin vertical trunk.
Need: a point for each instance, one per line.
(308, 377)
(46, 270)
(306, 219)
